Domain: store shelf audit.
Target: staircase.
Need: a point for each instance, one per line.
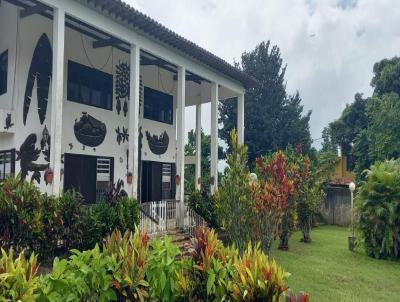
(159, 218)
(179, 238)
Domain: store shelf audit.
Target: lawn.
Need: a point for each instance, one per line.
(330, 272)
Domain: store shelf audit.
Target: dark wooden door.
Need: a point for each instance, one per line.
(157, 181)
(80, 174)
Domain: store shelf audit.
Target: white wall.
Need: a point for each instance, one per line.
(161, 80)
(8, 30)
(30, 30)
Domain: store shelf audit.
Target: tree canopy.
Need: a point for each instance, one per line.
(368, 129)
(273, 119)
(344, 131)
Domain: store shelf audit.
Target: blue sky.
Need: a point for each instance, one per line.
(330, 46)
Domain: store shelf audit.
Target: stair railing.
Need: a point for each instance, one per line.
(158, 216)
(192, 221)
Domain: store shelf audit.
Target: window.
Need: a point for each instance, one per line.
(103, 177)
(7, 163)
(89, 86)
(166, 184)
(158, 106)
(3, 72)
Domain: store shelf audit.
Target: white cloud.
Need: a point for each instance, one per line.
(330, 46)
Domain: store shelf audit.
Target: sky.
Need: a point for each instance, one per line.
(329, 46)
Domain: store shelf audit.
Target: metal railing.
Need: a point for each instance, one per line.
(192, 221)
(160, 216)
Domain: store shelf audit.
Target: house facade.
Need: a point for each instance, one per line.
(93, 92)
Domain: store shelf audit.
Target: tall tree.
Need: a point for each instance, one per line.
(369, 129)
(386, 77)
(273, 119)
(343, 132)
(384, 127)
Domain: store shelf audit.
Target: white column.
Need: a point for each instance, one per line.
(240, 118)
(180, 124)
(198, 147)
(57, 89)
(133, 146)
(214, 136)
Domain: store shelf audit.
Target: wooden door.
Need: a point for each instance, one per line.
(80, 174)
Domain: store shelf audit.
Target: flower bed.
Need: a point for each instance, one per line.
(129, 267)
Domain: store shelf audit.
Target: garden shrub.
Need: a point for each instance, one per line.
(378, 206)
(130, 268)
(234, 203)
(131, 252)
(30, 219)
(163, 267)
(100, 219)
(205, 206)
(276, 195)
(37, 222)
(301, 297)
(96, 221)
(85, 276)
(18, 279)
(127, 213)
(70, 209)
(209, 277)
(286, 189)
(222, 274)
(257, 278)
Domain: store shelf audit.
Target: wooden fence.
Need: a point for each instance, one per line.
(336, 208)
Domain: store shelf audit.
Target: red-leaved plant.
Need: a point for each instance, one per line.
(271, 195)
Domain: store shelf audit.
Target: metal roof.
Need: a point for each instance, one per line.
(122, 12)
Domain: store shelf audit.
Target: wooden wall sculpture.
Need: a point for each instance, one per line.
(89, 131)
(122, 71)
(158, 144)
(45, 144)
(27, 155)
(122, 136)
(40, 71)
(9, 122)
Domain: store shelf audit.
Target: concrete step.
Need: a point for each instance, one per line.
(179, 238)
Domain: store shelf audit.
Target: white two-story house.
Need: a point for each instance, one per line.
(93, 91)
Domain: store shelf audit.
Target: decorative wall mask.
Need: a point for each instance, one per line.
(158, 144)
(40, 70)
(9, 122)
(28, 154)
(122, 71)
(122, 136)
(89, 131)
(45, 144)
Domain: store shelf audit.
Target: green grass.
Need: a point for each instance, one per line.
(330, 272)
